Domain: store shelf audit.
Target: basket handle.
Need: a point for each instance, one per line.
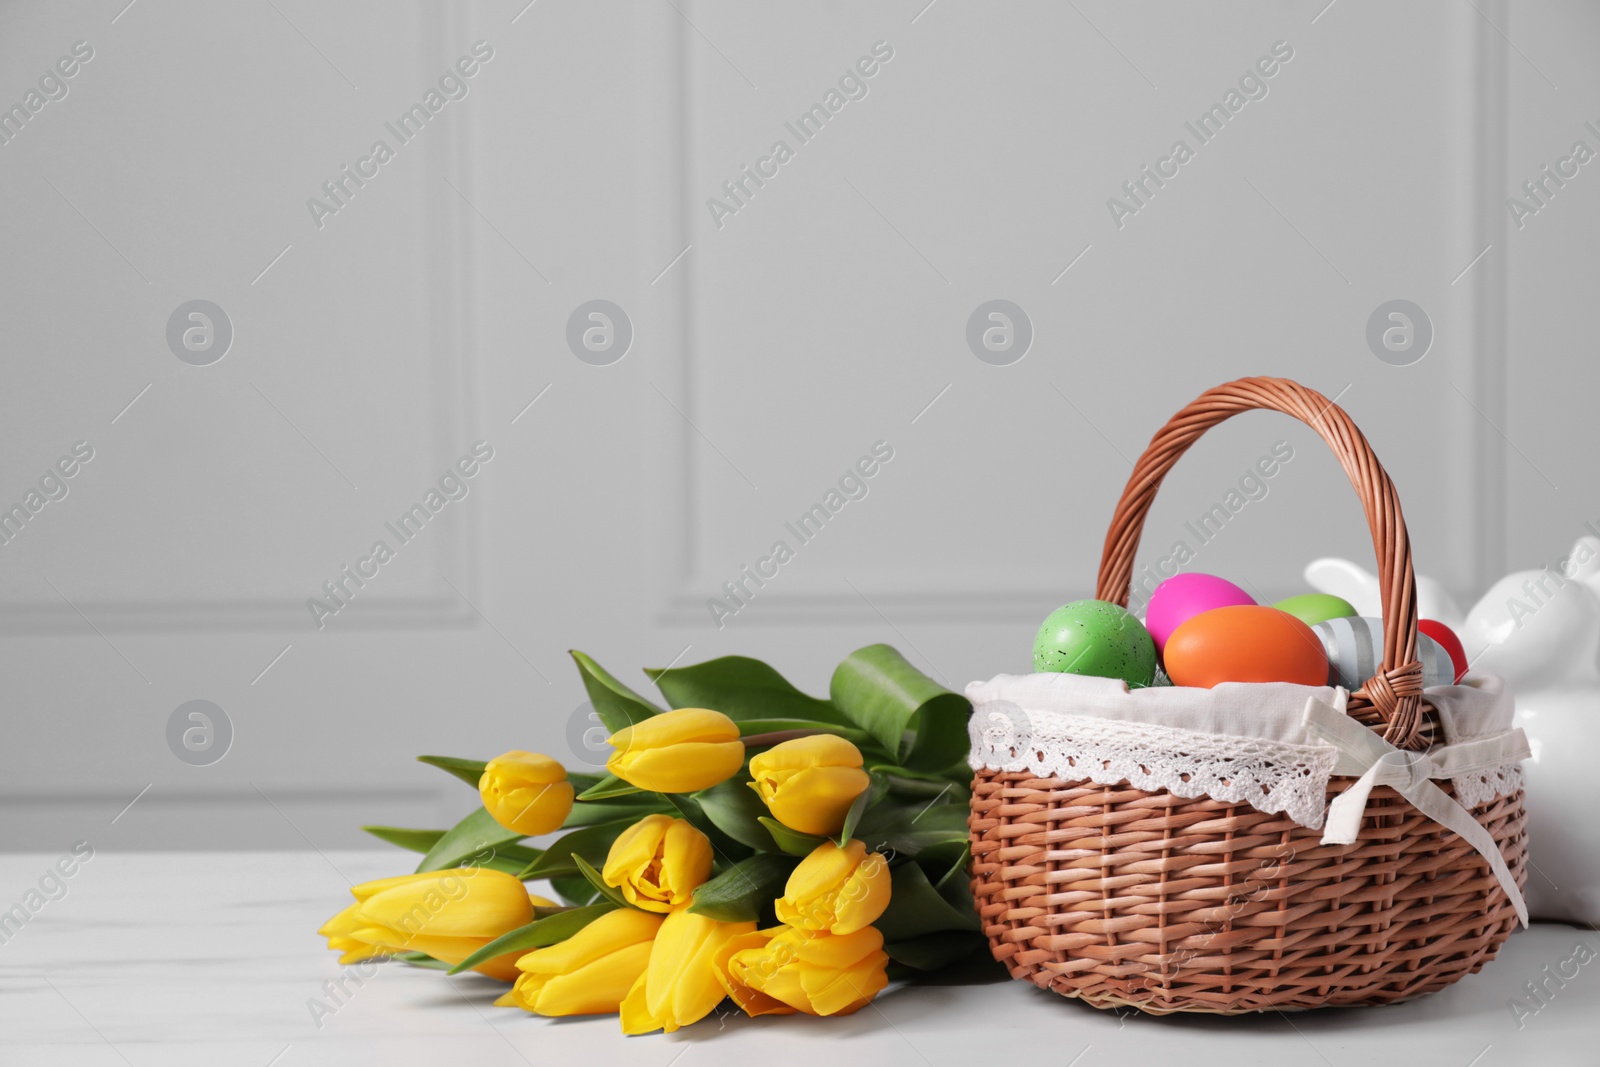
(1394, 693)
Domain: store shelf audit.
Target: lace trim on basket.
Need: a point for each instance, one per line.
(1270, 776)
(1475, 789)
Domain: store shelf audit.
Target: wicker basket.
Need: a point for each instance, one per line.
(1125, 897)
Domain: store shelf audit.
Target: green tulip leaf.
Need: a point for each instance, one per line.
(510, 858)
(575, 890)
(617, 705)
(955, 875)
(474, 838)
(610, 892)
(907, 830)
(878, 690)
(590, 842)
(745, 890)
(725, 846)
(911, 783)
(853, 816)
(633, 806)
(917, 908)
(608, 787)
(741, 688)
(793, 842)
(468, 770)
(606, 798)
(944, 862)
(540, 933)
(413, 840)
(932, 951)
(422, 959)
(735, 809)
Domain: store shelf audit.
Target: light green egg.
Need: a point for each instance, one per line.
(1312, 608)
(1096, 638)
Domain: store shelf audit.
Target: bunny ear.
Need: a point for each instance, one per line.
(1344, 579)
(1585, 560)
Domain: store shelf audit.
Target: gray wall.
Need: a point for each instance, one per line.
(772, 347)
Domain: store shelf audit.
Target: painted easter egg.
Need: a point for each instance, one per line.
(1354, 647)
(1096, 638)
(1449, 642)
(1182, 597)
(1312, 608)
(1245, 643)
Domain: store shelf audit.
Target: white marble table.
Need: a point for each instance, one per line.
(167, 960)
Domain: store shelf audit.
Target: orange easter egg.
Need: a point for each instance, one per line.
(1245, 643)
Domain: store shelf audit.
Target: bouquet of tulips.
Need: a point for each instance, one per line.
(752, 843)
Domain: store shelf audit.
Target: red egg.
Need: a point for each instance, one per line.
(1245, 643)
(1448, 641)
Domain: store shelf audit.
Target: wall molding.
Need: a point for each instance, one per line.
(448, 233)
(827, 599)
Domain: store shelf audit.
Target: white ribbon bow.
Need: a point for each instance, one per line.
(1362, 752)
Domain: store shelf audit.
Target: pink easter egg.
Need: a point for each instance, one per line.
(1182, 597)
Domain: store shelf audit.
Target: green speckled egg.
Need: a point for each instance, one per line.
(1096, 638)
(1312, 608)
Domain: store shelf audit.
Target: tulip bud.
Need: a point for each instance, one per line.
(590, 972)
(837, 890)
(680, 751)
(447, 914)
(752, 1001)
(819, 974)
(657, 863)
(680, 986)
(340, 932)
(526, 792)
(809, 783)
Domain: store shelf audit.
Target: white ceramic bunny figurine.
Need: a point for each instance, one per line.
(1360, 586)
(1540, 630)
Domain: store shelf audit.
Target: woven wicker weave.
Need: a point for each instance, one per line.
(1123, 897)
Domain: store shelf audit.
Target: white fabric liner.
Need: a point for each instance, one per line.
(1248, 743)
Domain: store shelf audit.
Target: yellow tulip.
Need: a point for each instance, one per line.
(752, 1001)
(819, 974)
(837, 890)
(680, 986)
(680, 751)
(590, 972)
(340, 932)
(526, 792)
(447, 914)
(809, 783)
(657, 863)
